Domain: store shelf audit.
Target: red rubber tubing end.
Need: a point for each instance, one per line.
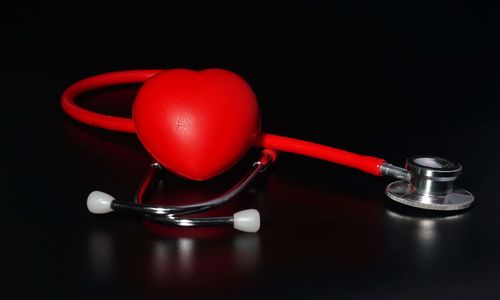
(367, 164)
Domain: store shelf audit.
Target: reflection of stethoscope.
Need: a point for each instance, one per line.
(198, 124)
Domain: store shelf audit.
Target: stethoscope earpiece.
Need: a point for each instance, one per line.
(99, 203)
(428, 184)
(247, 220)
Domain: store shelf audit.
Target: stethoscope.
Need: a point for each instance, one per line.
(198, 124)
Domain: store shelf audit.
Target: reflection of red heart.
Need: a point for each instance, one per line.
(196, 124)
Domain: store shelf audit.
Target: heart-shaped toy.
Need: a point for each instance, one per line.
(197, 124)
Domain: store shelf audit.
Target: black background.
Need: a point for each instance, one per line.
(387, 78)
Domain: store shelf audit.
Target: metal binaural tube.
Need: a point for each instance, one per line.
(191, 222)
(257, 167)
(247, 220)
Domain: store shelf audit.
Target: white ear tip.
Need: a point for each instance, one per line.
(99, 202)
(247, 220)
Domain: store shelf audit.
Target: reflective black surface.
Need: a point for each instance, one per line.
(389, 80)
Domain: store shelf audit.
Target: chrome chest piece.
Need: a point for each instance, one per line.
(427, 182)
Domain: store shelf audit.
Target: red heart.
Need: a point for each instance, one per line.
(196, 124)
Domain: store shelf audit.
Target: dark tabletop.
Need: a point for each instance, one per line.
(385, 79)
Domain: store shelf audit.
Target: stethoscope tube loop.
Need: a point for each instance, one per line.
(368, 164)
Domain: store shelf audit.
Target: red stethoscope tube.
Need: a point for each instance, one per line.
(364, 163)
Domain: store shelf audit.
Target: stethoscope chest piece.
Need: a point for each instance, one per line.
(430, 185)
